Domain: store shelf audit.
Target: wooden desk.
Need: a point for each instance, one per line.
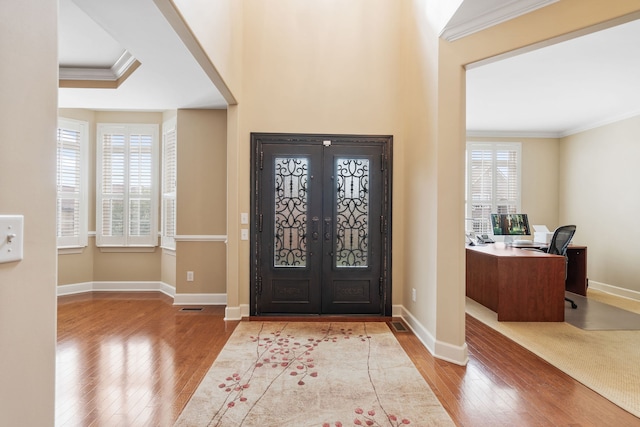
(518, 284)
(577, 281)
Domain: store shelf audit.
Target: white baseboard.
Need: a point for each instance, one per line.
(439, 349)
(77, 288)
(200, 299)
(236, 313)
(621, 292)
(178, 299)
(168, 289)
(397, 310)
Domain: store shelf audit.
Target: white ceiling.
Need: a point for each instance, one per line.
(169, 77)
(553, 91)
(82, 42)
(561, 89)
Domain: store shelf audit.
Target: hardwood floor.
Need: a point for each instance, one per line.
(131, 359)
(134, 359)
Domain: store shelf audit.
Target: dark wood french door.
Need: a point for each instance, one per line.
(320, 226)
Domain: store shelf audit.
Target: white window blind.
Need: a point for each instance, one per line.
(126, 199)
(71, 183)
(493, 182)
(169, 184)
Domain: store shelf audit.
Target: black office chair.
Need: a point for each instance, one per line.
(558, 246)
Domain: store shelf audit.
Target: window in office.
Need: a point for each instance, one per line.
(127, 190)
(493, 182)
(71, 183)
(169, 184)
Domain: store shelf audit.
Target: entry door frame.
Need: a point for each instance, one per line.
(386, 141)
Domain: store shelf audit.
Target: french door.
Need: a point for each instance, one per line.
(320, 226)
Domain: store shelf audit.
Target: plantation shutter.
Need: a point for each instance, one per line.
(493, 182)
(71, 177)
(169, 184)
(507, 179)
(481, 187)
(126, 199)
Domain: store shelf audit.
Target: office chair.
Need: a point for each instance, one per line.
(558, 246)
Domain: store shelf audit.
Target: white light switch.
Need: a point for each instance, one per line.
(244, 218)
(244, 234)
(11, 237)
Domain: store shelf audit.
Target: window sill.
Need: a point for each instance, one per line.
(71, 250)
(169, 251)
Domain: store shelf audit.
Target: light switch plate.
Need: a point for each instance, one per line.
(244, 218)
(244, 234)
(11, 237)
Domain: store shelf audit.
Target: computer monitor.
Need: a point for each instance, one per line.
(510, 225)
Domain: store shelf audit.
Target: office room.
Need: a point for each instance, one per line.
(571, 110)
(577, 121)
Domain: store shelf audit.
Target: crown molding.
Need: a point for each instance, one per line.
(559, 134)
(600, 123)
(510, 134)
(201, 238)
(493, 16)
(91, 78)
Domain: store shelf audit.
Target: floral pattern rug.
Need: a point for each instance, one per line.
(313, 374)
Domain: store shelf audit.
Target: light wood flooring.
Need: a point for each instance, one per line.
(134, 359)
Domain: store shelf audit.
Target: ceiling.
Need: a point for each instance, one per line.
(558, 90)
(94, 32)
(553, 91)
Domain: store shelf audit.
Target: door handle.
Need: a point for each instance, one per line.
(327, 228)
(314, 228)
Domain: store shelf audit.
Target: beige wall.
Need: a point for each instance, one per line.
(28, 103)
(215, 24)
(218, 28)
(315, 67)
(201, 209)
(207, 260)
(168, 267)
(419, 175)
(598, 193)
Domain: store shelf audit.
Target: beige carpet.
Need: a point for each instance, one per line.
(608, 362)
(313, 374)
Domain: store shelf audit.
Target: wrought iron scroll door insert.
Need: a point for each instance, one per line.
(320, 226)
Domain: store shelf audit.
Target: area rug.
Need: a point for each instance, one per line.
(313, 374)
(605, 361)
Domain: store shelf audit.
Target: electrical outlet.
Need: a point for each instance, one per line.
(413, 295)
(189, 276)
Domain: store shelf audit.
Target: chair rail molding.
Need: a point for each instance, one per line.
(201, 238)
